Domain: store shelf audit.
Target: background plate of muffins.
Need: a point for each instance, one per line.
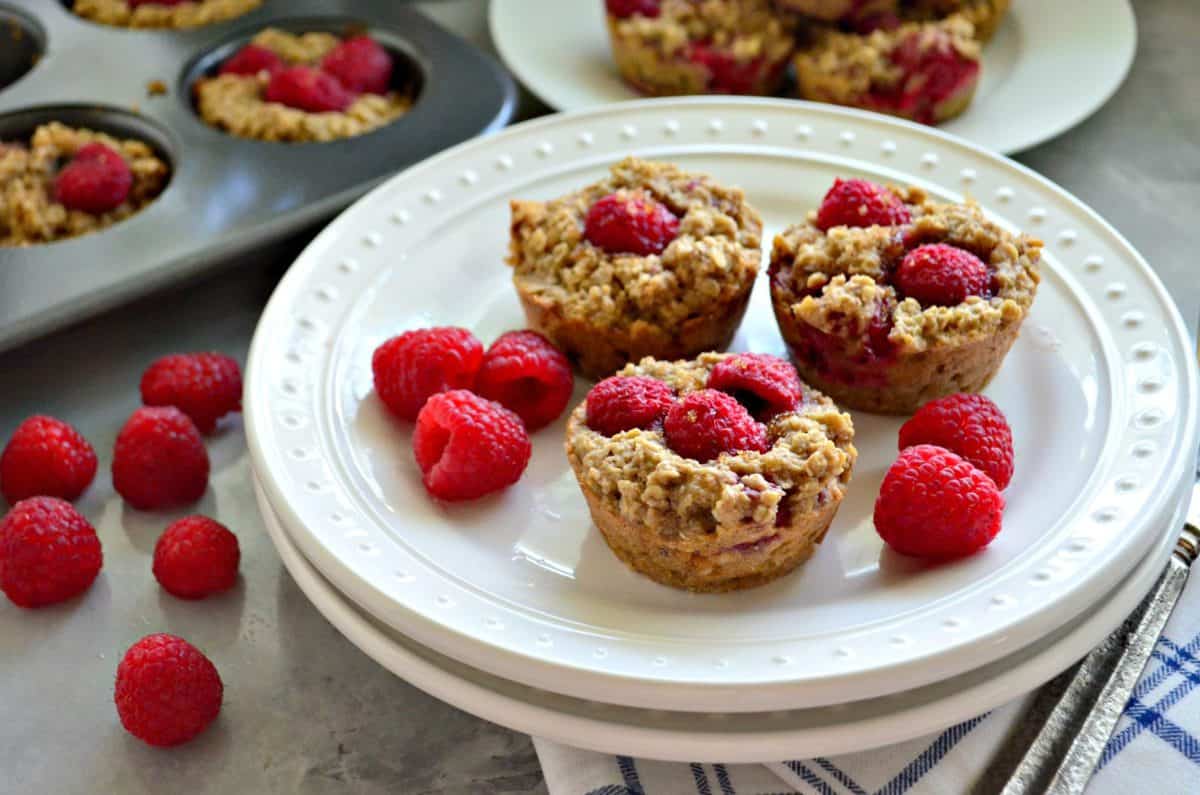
(698, 535)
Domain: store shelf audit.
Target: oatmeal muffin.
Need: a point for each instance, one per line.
(889, 299)
(924, 71)
(162, 13)
(845, 11)
(303, 87)
(668, 47)
(651, 261)
(64, 182)
(985, 15)
(719, 473)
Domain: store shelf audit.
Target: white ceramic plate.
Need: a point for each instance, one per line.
(744, 737)
(1049, 67)
(1099, 391)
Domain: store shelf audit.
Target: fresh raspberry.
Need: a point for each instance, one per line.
(95, 181)
(467, 446)
(621, 403)
(941, 275)
(859, 203)
(971, 426)
(411, 367)
(726, 74)
(309, 89)
(167, 691)
(196, 557)
(526, 374)
(629, 222)
(627, 8)
(706, 423)
(360, 64)
(766, 385)
(204, 386)
(159, 460)
(48, 552)
(933, 504)
(252, 59)
(48, 458)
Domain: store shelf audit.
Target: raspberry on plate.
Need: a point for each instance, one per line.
(48, 552)
(706, 423)
(95, 181)
(46, 457)
(308, 89)
(621, 403)
(938, 274)
(159, 460)
(360, 64)
(526, 374)
(860, 203)
(766, 385)
(250, 60)
(196, 557)
(204, 386)
(411, 367)
(970, 425)
(467, 446)
(935, 505)
(167, 691)
(630, 222)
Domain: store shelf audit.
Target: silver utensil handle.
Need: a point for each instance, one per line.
(1081, 758)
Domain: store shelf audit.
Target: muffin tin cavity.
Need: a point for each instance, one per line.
(22, 42)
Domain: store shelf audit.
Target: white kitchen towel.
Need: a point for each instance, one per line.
(1155, 748)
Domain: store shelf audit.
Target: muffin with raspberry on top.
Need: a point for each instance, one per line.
(889, 299)
(718, 473)
(651, 261)
(670, 47)
(176, 14)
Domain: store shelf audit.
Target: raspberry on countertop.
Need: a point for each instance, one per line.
(159, 460)
(196, 557)
(46, 457)
(167, 691)
(48, 552)
(204, 386)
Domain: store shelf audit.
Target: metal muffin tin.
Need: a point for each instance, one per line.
(227, 196)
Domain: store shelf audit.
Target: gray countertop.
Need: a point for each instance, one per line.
(305, 711)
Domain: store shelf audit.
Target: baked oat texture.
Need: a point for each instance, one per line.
(985, 15)
(235, 104)
(832, 286)
(737, 522)
(29, 213)
(151, 15)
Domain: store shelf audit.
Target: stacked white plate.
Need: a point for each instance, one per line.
(513, 608)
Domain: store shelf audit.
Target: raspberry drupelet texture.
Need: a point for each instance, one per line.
(95, 181)
(941, 275)
(766, 385)
(860, 203)
(46, 457)
(934, 504)
(970, 425)
(252, 59)
(308, 89)
(526, 374)
(48, 552)
(705, 423)
(467, 446)
(196, 557)
(621, 403)
(360, 64)
(204, 386)
(411, 367)
(167, 691)
(159, 460)
(629, 222)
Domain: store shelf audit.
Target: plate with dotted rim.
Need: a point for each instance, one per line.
(1049, 66)
(1099, 389)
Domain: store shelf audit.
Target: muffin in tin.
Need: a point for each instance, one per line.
(670, 47)
(177, 14)
(281, 87)
(738, 520)
(113, 179)
(591, 279)
(861, 305)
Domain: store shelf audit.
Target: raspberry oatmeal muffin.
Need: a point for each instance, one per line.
(890, 299)
(985, 15)
(651, 261)
(162, 13)
(926, 72)
(668, 47)
(64, 182)
(843, 11)
(303, 87)
(715, 474)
